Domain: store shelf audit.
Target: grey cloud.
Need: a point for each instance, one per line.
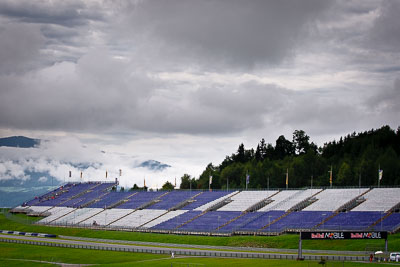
(385, 33)
(116, 89)
(69, 13)
(67, 27)
(19, 47)
(327, 112)
(224, 33)
(100, 93)
(58, 34)
(96, 93)
(386, 100)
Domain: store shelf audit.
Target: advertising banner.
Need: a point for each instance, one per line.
(343, 235)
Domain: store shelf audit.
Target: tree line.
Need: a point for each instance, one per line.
(354, 159)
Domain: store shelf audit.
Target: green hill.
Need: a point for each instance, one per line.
(355, 160)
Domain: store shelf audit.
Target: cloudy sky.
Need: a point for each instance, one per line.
(114, 83)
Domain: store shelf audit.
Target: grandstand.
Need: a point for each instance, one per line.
(262, 212)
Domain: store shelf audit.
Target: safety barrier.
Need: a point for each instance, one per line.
(190, 252)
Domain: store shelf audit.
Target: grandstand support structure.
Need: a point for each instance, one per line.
(351, 204)
(277, 219)
(49, 222)
(152, 202)
(388, 213)
(214, 207)
(139, 208)
(252, 208)
(140, 226)
(192, 219)
(305, 203)
(308, 201)
(73, 197)
(94, 200)
(280, 203)
(119, 202)
(262, 203)
(222, 203)
(185, 202)
(380, 220)
(40, 213)
(82, 193)
(90, 216)
(89, 205)
(232, 220)
(334, 214)
(20, 209)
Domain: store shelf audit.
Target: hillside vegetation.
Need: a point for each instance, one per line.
(355, 160)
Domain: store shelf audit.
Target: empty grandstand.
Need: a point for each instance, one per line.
(263, 212)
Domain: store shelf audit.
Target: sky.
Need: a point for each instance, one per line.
(110, 84)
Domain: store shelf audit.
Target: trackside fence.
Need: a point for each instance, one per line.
(188, 252)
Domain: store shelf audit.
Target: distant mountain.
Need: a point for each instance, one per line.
(19, 141)
(154, 165)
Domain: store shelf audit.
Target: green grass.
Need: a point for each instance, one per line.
(290, 241)
(19, 263)
(70, 255)
(24, 253)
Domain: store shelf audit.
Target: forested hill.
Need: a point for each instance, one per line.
(355, 158)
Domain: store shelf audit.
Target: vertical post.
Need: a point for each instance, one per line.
(330, 177)
(311, 180)
(247, 178)
(379, 181)
(209, 182)
(269, 224)
(386, 245)
(287, 178)
(379, 175)
(300, 252)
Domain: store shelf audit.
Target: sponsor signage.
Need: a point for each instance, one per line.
(343, 235)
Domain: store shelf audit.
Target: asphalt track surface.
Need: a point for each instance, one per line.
(168, 248)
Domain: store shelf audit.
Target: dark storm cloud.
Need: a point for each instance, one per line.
(65, 13)
(227, 33)
(88, 67)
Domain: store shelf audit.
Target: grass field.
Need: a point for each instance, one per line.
(19, 254)
(22, 222)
